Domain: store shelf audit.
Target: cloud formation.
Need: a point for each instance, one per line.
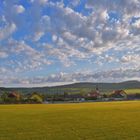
(54, 37)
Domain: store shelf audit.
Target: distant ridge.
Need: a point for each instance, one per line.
(89, 85)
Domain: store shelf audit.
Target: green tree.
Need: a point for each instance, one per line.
(36, 98)
(4, 98)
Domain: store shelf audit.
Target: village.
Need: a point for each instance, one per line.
(14, 97)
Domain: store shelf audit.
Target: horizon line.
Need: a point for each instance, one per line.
(58, 84)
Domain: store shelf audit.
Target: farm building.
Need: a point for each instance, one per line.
(14, 95)
(94, 94)
(118, 95)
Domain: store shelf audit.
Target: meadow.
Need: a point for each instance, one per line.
(132, 91)
(81, 121)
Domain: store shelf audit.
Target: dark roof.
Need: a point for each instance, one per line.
(118, 93)
(12, 95)
(94, 94)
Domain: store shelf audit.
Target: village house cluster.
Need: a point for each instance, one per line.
(93, 95)
(16, 97)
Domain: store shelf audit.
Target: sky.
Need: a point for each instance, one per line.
(54, 42)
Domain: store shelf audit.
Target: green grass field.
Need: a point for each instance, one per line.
(86, 121)
(132, 91)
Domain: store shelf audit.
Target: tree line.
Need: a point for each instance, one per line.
(16, 98)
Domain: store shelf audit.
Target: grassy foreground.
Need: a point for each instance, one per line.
(87, 121)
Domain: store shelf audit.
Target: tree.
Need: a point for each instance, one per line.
(36, 98)
(4, 97)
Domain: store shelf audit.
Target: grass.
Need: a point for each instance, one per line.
(86, 121)
(132, 91)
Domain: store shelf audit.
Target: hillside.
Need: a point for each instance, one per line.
(77, 87)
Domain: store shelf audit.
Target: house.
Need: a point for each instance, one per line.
(14, 95)
(118, 95)
(94, 94)
(66, 98)
(75, 97)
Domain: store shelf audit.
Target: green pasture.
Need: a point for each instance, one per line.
(132, 91)
(81, 121)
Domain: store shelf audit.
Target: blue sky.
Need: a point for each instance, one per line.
(53, 42)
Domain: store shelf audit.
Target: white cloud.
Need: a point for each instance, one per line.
(29, 58)
(55, 33)
(115, 75)
(3, 54)
(75, 2)
(38, 36)
(42, 1)
(54, 38)
(133, 58)
(136, 24)
(18, 9)
(103, 15)
(7, 30)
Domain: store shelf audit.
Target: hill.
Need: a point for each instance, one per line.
(78, 87)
